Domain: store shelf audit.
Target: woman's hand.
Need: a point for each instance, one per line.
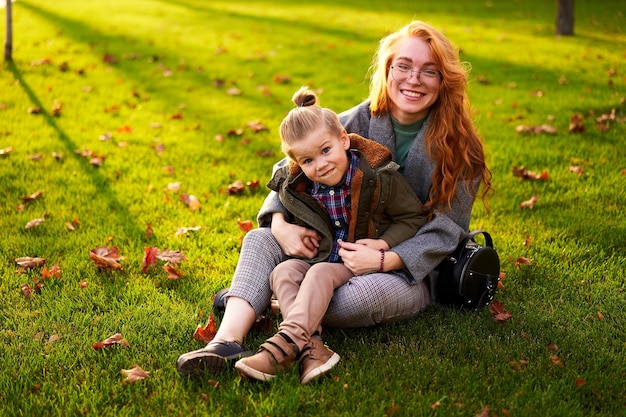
(294, 240)
(374, 244)
(364, 258)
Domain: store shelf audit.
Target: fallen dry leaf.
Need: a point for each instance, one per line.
(172, 273)
(557, 360)
(34, 223)
(173, 257)
(27, 290)
(181, 231)
(116, 339)
(536, 129)
(149, 258)
(54, 271)
(498, 312)
(523, 173)
(576, 169)
(191, 201)
(33, 196)
(576, 124)
(236, 187)
(28, 262)
(522, 261)
(530, 203)
(245, 225)
(105, 258)
(207, 333)
(134, 374)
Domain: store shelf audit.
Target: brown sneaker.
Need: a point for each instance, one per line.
(316, 359)
(275, 355)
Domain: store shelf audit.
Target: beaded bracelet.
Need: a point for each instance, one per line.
(382, 260)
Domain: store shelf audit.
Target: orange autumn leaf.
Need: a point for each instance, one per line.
(522, 261)
(498, 312)
(54, 271)
(557, 360)
(245, 225)
(134, 374)
(116, 339)
(172, 273)
(207, 333)
(105, 258)
(191, 201)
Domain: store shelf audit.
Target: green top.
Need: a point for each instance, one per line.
(405, 135)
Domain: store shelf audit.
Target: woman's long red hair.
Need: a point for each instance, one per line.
(451, 139)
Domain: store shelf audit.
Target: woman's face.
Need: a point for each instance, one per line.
(415, 92)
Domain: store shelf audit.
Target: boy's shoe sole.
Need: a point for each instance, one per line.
(213, 359)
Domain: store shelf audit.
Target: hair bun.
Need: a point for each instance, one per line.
(304, 97)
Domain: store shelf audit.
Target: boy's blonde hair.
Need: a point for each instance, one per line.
(305, 118)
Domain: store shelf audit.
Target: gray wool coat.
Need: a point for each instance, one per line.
(437, 238)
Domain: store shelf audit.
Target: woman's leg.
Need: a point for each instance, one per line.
(376, 298)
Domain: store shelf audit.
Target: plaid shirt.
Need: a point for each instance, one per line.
(336, 201)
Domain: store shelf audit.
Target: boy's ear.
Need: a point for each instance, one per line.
(345, 139)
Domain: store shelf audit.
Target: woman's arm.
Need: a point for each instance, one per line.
(296, 241)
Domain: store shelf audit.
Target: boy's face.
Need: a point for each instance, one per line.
(322, 156)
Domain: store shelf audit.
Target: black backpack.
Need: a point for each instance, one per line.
(468, 277)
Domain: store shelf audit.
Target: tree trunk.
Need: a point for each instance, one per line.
(8, 44)
(565, 17)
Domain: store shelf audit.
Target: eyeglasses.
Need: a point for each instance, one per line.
(403, 72)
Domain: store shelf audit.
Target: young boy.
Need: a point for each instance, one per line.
(346, 188)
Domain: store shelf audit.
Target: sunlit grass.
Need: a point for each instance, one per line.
(157, 79)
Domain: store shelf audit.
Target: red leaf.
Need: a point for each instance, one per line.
(116, 339)
(207, 333)
(498, 312)
(522, 261)
(149, 258)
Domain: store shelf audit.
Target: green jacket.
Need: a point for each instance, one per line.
(383, 206)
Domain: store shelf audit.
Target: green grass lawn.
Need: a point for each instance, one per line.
(116, 111)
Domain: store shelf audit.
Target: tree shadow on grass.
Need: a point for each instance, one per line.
(114, 205)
